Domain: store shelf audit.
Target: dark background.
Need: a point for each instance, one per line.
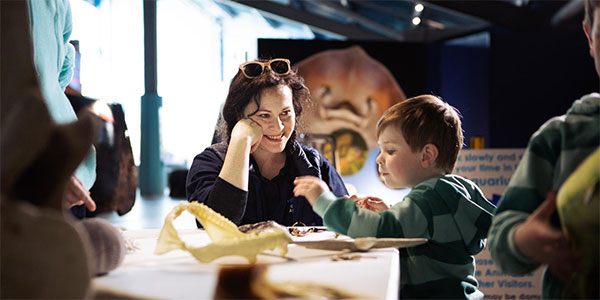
(506, 85)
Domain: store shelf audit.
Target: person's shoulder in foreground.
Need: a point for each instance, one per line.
(525, 232)
(528, 204)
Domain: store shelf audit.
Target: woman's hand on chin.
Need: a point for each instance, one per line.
(246, 129)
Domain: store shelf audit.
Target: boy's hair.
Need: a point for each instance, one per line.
(426, 119)
(590, 7)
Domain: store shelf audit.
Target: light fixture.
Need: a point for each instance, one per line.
(416, 21)
(419, 7)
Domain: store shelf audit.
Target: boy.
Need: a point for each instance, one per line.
(419, 141)
(526, 231)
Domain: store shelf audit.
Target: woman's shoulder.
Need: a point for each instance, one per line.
(311, 154)
(316, 158)
(220, 148)
(215, 150)
(308, 150)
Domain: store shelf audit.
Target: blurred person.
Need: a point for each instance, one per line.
(526, 232)
(53, 56)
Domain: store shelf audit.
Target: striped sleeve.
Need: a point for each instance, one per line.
(408, 218)
(533, 178)
(501, 239)
(552, 154)
(342, 216)
(405, 219)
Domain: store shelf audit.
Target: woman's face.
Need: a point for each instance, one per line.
(276, 117)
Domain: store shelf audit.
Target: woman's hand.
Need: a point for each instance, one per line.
(245, 139)
(246, 129)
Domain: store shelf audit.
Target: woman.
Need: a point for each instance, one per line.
(250, 178)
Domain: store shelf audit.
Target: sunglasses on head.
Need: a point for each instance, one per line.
(253, 69)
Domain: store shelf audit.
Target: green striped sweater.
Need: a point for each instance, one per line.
(450, 211)
(553, 153)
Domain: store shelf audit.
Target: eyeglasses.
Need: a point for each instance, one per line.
(253, 69)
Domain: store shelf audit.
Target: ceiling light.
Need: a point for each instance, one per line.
(419, 7)
(416, 21)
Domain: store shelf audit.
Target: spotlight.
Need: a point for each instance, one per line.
(416, 21)
(419, 7)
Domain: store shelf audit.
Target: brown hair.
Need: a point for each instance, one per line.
(243, 90)
(426, 119)
(590, 7)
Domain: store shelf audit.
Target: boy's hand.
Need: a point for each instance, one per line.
(537, 239)
(371, 203)
(310, 187)
(358, 201)
(375, 204)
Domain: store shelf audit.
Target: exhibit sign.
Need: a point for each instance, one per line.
(491, 170)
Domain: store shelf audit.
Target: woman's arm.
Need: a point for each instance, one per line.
(219, 178)
(205, 186)
(245, 138)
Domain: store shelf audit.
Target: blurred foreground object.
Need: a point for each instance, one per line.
(578, 205)
(44, 256)
(226, 238)
(251, 282)
(45, 253)
(116, 173)
(108, 245)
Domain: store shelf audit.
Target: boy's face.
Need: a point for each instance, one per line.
(398, 165)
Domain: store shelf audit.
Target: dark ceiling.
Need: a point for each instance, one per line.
(439, 19)
(530, 15)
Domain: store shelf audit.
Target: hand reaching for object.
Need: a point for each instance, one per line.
(371, 203)
(310, 187)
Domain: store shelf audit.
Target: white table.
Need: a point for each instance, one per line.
(177, 275)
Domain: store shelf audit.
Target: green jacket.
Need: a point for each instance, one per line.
(552, 154)
(450, 211)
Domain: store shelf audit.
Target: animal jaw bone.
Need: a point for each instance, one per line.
(224, 234)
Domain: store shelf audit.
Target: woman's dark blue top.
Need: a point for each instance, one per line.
(266, 199)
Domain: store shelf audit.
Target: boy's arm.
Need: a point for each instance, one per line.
(405, 219)
(342, 216)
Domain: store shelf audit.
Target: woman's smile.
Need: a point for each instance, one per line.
(275, 138)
